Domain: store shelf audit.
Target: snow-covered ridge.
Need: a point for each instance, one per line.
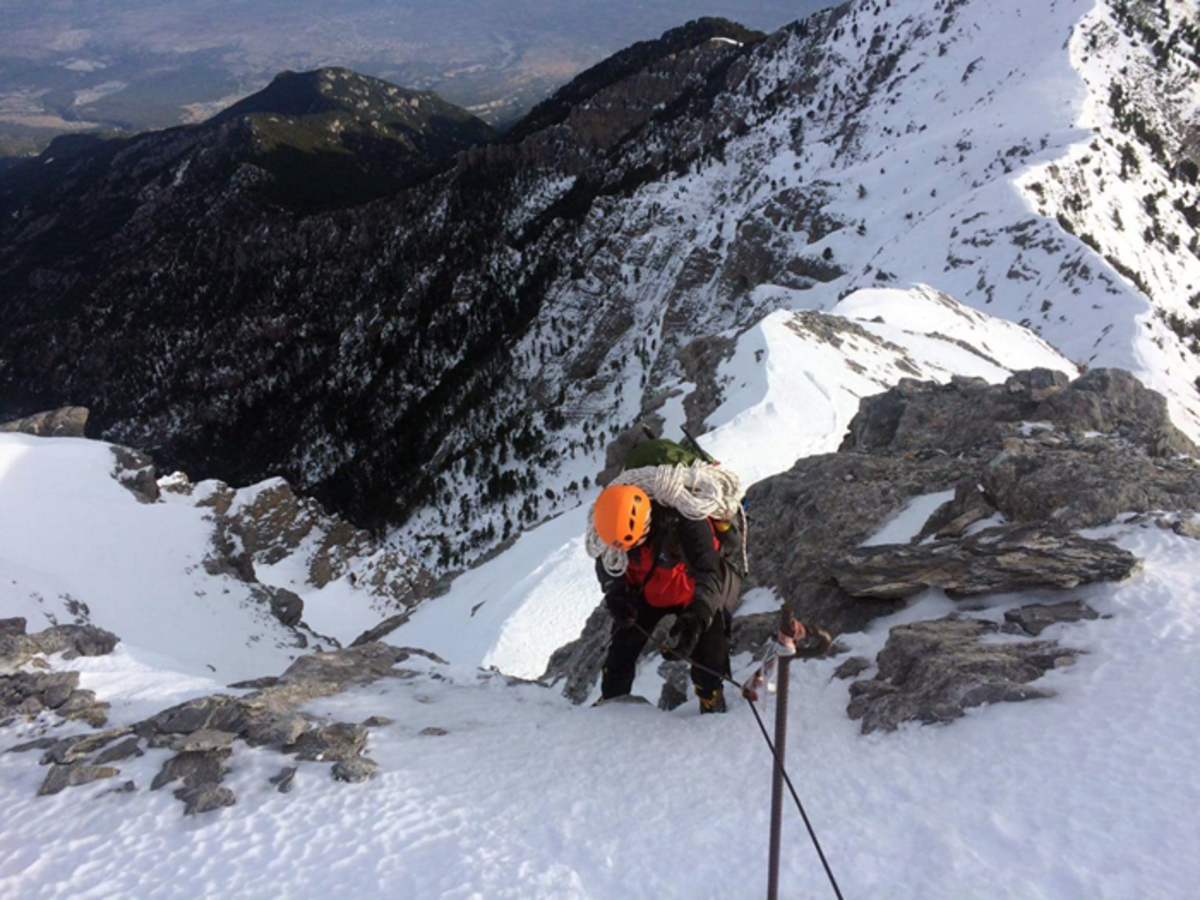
(973, 147)
(791, 387)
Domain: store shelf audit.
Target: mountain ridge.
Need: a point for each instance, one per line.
(476, 344)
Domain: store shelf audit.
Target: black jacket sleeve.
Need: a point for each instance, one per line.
(703, 563)
(611, 584)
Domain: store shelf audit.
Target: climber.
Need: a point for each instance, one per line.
(674, 566)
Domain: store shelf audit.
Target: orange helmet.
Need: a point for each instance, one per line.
(622, 515)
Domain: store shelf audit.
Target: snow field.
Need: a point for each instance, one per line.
(1090, 794)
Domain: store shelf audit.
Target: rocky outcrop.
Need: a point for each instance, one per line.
(1025, 464)
(1001, 559)
(70, 421)
(203, 733)
(1037, 457)
(934, 671)
(267, 523)
(70, 640)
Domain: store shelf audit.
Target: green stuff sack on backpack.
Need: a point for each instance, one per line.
(659, 452)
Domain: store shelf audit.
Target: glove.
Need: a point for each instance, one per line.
(685, 634)
(621, 608)
(816, 641)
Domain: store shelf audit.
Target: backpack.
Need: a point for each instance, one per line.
(665, 452)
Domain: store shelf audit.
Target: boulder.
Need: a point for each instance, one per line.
(283, 781)
(135, 472)
(69, 421)
(70, 640)
(12, 626)
(933, 671)
(1037, 617)
(354, 769)
(1003, 558)
(196, 769)
(60, 777)
(340, 741)
(204, 798)
(117, 752)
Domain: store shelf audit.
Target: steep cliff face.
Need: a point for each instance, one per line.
(457, 356)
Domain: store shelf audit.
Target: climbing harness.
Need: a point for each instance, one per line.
(778, 656)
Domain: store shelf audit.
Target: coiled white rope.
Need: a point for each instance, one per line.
(698, 491)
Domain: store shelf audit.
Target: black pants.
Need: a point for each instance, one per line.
(712, 652)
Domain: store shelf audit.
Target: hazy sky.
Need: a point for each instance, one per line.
(77, 64)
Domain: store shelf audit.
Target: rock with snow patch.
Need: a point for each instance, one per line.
(70, 640)
(677, 682)
(355, 769)
(204, 798)
(934, 671)
(340, 741)
(80, 746)
(136, 473)
(1087, 481)
(1000, 559)
(578, 663)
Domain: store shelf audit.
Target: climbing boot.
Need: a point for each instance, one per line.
(713, 702)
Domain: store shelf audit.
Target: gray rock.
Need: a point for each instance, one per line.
(60, 777)
(195, 769)
(933, 671)
(136, 473)
(382, 630)
(284, 780)
(1004, 558)
(12, 626)
(71, 640)
(677, 681)
(285, 606)
(69, 421)
(1084, 483)
(433, 731)
(378, 722)
(953, 518)
(267, 728)
(578, 663)
(41, 743)
(852, 668)
(809, 515)
(204, 798)
(1037, 617)
(219, 712)
(255, 684)
(355, 769)
(123, 750)
(81, 746)
(339, 741)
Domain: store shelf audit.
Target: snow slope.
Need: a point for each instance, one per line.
(77, 546)
(1090, 794)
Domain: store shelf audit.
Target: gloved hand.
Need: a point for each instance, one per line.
(815, 642)
(685, 634)
(621, 608)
